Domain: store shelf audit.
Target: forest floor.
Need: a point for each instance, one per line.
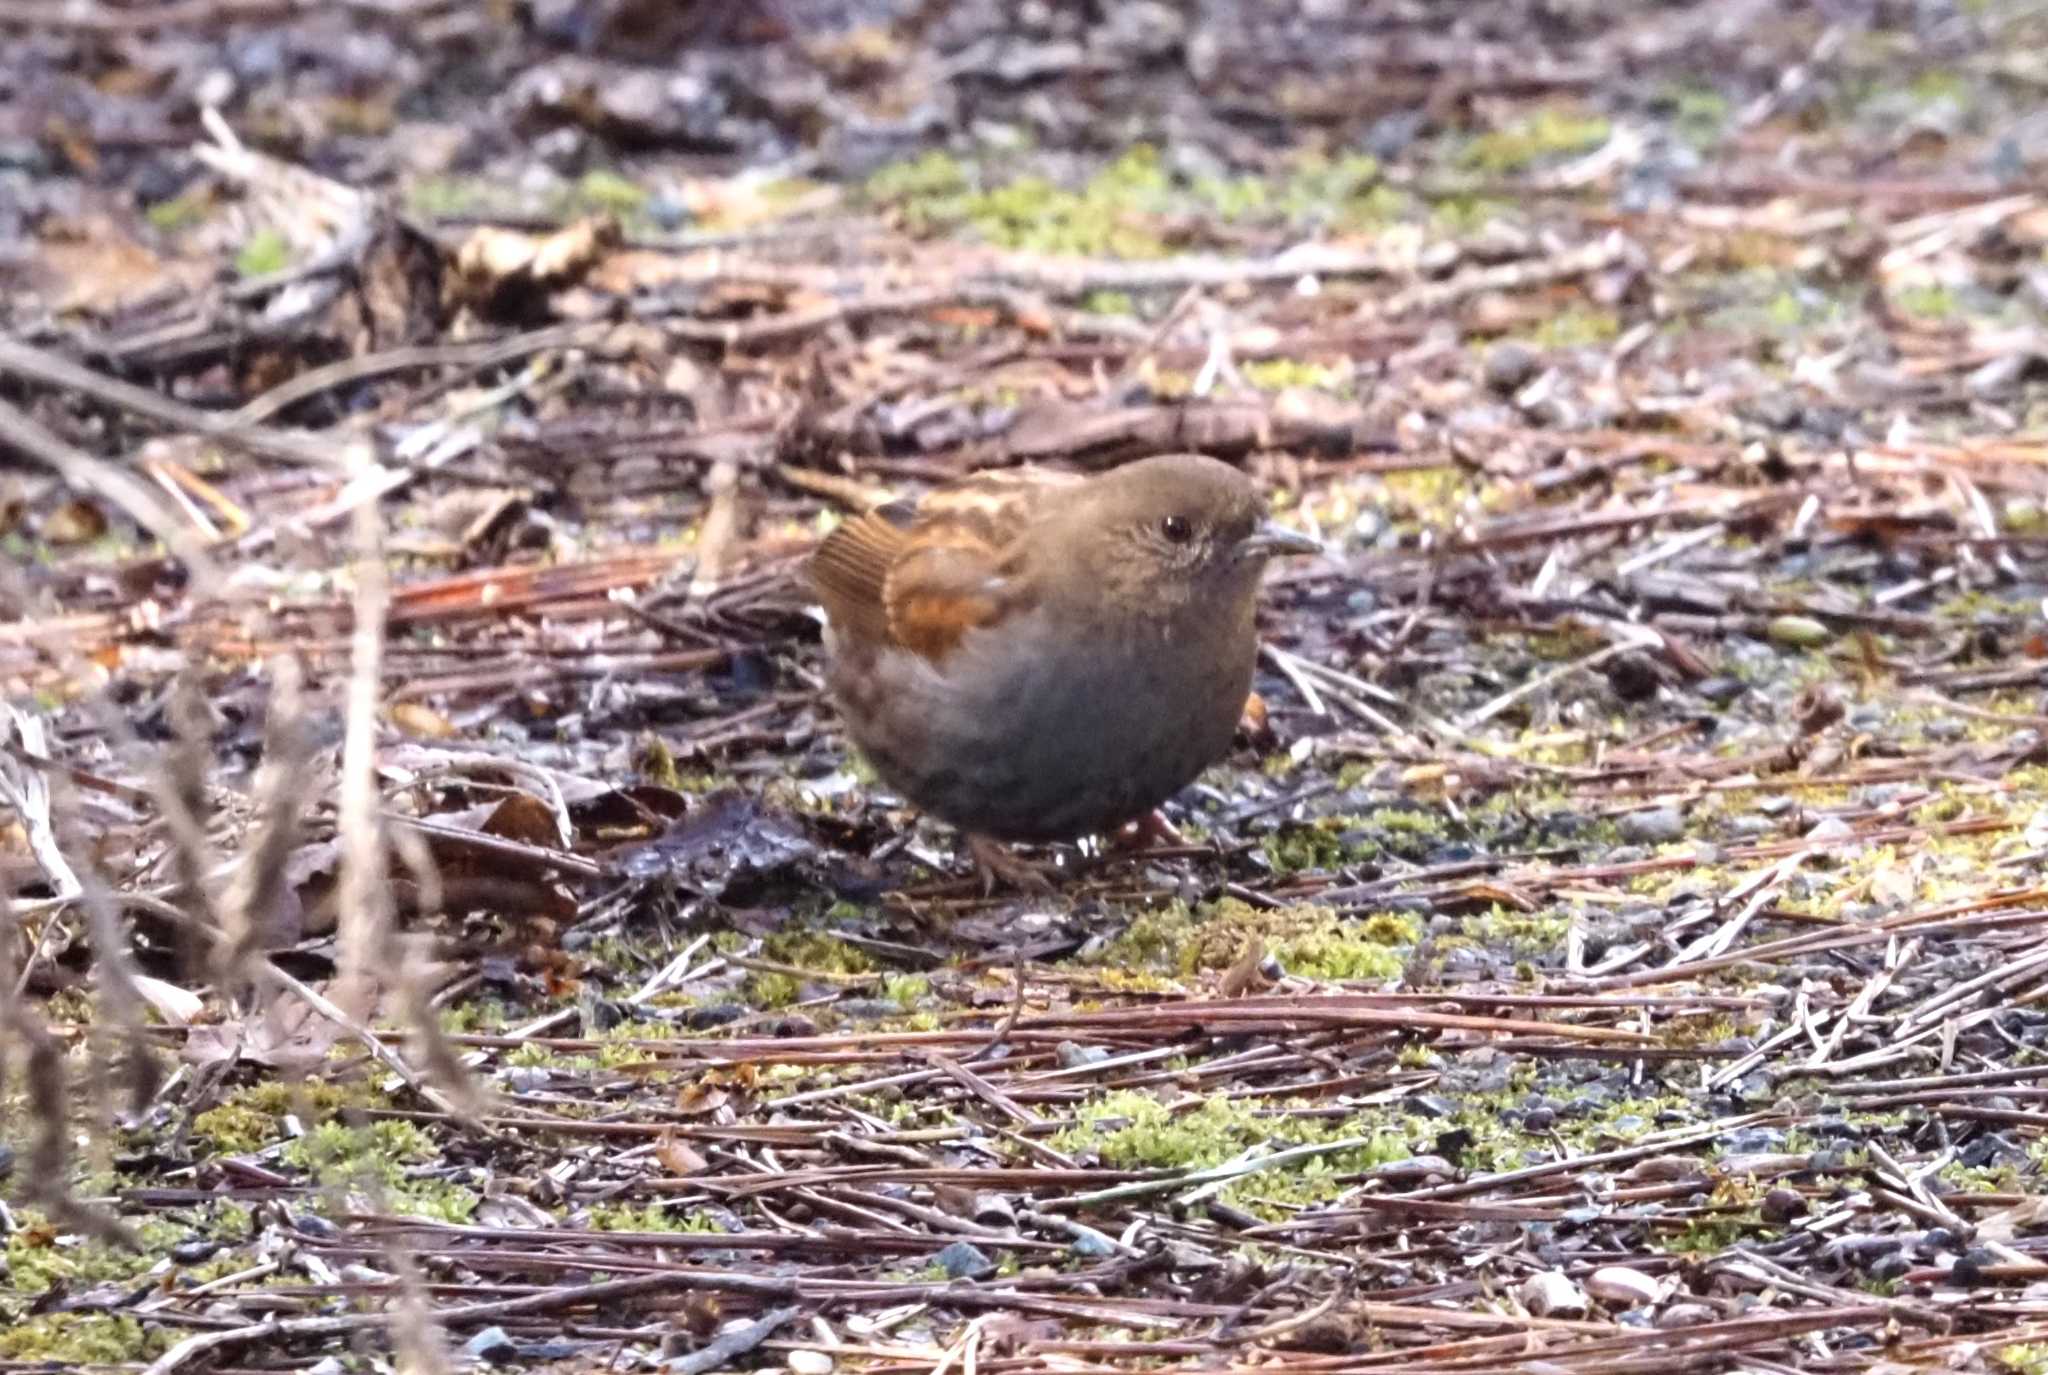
(447, 927)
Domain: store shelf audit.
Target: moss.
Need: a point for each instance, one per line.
(655, 762)
(1433, 496)
(1577, 327)
(1278, 374)
(1523, 935)
(82, 1339)
(377, 1156)
(237, 1128)
(1699, 114)
(1307, 940)
(928, 177)
(1549, 134)
(818, 950)
(2023, 1358)
(653, 1217)
(1312, 847)
(906, 990)
(1108, 216)
(444, 196)
(1128, 1130)
(766, 990)
(1457, 215)
(1330, 953)
(35, 1263)
(1937, 84)
(602, 190)
(180, 212)
(264, 252)
(1109, 303)
(1927, 302)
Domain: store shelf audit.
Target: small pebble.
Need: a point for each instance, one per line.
(194, 1251)
(1831, 828)
(1800, 632)
(809, 1363)
(1073, 1055)
(1720, 691)
(1551, 1294)
(492, 1345)
(1618, 1284)
(963, 1260)
(1685, 1315)
(1652, 826)
(1510, 366)
(1780, 1206)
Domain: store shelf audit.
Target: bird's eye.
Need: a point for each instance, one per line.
(1177, 529)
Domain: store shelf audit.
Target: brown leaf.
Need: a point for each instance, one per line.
(678, 1155)
(1243, 975)
(701, 1097)
(423, 721)
(75, 522)
(524, 817)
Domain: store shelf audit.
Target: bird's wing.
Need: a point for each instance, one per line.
(922, 574)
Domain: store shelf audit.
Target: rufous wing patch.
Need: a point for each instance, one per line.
(922, 575)
(851, 568)
(940, 592)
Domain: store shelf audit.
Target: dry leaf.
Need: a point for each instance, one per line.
(422, 721)
(678, 1155)
(75, 522)
(177, 1006)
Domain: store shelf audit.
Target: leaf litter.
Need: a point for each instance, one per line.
(443, 914)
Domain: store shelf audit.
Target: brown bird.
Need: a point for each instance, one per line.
(1034, 656)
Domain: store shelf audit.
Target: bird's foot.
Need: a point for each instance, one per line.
(1147, 831)
(997, 864)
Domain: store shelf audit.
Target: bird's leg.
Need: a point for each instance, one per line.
(1147, 831)
(996, 863)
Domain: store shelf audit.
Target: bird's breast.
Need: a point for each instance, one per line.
(1029, 732)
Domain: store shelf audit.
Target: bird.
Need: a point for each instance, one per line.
(1034, 655)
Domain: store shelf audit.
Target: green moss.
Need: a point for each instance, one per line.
(1937, 84)
(1578, 327)
(81, 1339)
(266, 251)
(34, 1265)
(378, 1156)
(906, 990)
(1550, 134)
(928, 177)
(2023, 1358)
(1699, 114)
(1128, 1130)
(653, 1217)
(1278, 374)
(1927, 302)
(1466, 214)
(1314, 847)
(602, 190)
(766, 990)
(1523, 935)
(817, 950)
(1307, 940)
(180, 212)
(1109, 303)
(433, 197)
(236, 1128)
(1330, 953)
(1109, 216)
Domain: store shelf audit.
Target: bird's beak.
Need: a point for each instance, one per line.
(1271, 539)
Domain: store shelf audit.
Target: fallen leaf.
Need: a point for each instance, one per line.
(177, 1006)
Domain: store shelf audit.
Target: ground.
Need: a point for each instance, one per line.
(448, 926)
